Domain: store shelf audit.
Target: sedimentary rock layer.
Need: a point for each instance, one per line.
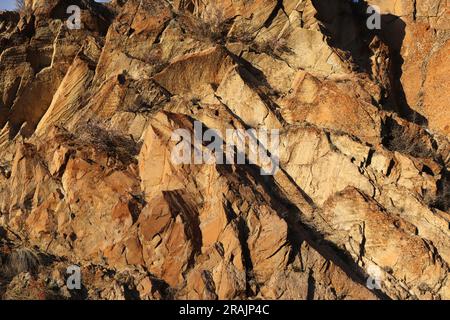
(86, 175)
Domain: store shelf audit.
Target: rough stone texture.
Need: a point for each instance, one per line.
(87, 178)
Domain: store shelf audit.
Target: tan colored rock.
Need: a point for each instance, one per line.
(87, 174)
(435, 98)
(366, 230)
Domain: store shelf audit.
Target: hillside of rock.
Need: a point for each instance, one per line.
(361, 195)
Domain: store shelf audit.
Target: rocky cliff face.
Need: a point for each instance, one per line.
(359, 208)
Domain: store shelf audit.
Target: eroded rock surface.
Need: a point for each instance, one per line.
(87, 177)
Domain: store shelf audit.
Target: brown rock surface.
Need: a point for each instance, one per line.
(87, 175)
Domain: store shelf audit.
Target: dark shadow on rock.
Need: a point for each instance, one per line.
(345, 24)
(98, 9)
(442, 201)
(311, 286)
(393, 33)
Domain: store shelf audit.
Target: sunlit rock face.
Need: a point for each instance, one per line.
(358, 207)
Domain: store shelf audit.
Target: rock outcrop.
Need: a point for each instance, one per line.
(358, 208)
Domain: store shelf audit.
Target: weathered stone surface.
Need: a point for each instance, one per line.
(87, 175)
